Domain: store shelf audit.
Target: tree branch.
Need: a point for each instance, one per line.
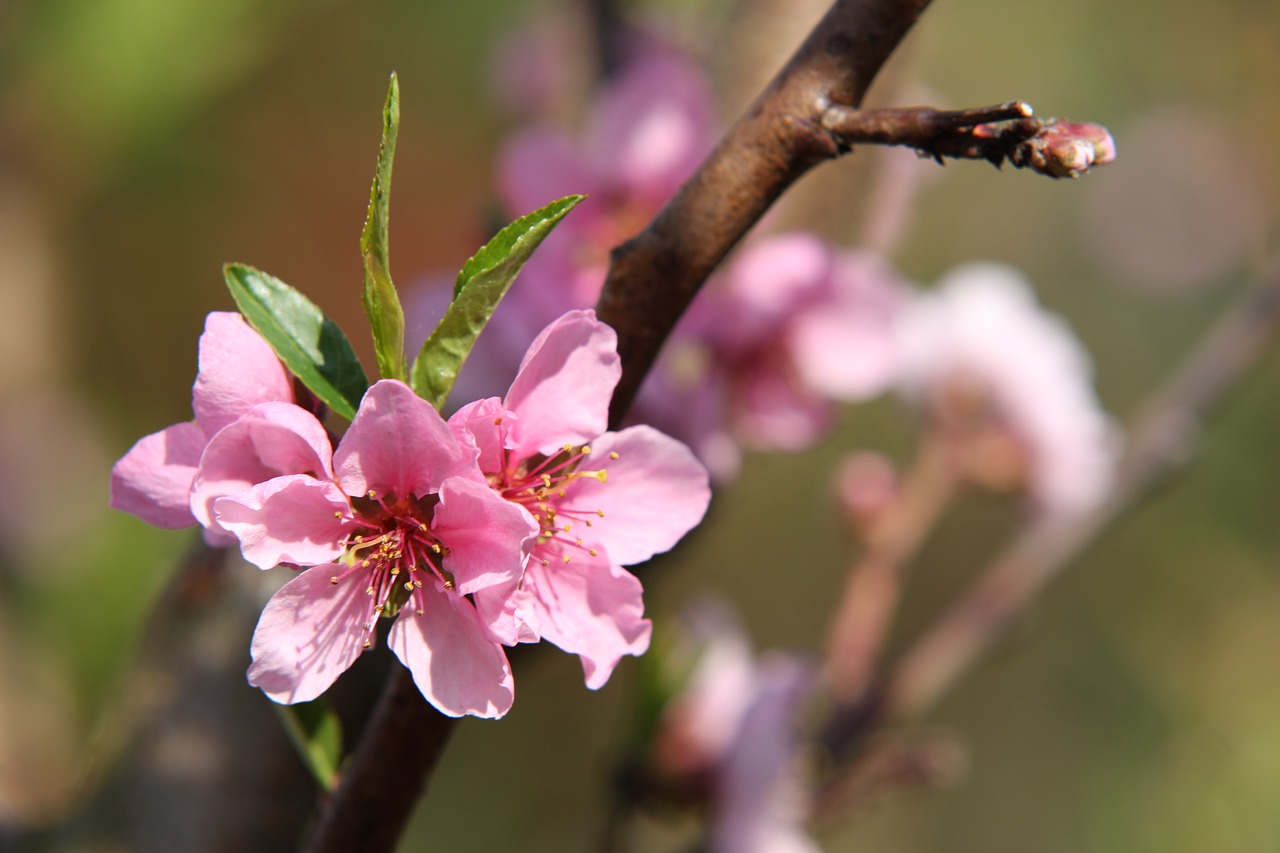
(655, 275)
(387, 773)
(1005, 133)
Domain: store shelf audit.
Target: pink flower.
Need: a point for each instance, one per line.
(791, 326)
(395, 520)
(238, 370)
(731, 735)
(982, 343)
(615, 501)
(646, 131)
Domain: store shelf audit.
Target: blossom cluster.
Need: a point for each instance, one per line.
(509, 523)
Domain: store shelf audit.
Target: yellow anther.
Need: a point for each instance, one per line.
(373, 495)
(568, 448)
(422, 528)
(497, 421)
(546, 481)
(566, 558)
(334, 580)
(578, 541)
(408, 586)
(593, 552)
(448, 584)
(586, 449)
(435, 546)
(613, 454)
(566, 527)
(337, 513)
(586, 521)
(419, 611)
(366, 644)
(418, 584)
(601, 475)
(369, 591)
(600, 513)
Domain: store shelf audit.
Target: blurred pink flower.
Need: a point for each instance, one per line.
(648, 128)
(792, 325)
(616, 501)
(394, 521)
(237, 371)
(732, 732)
(982, 340)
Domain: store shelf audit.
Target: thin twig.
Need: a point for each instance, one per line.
(1160, 443)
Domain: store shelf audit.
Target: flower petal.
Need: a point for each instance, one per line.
(483, 425)
(292, 519)
(153, 480)
(456, 666)
(487, 536)
(590, 608)
(238, 370)
(309, 633)
(272, 439)
(656, 491)
(566, 380)
(398, 444)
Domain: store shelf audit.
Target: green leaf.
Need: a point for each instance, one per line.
(316, 731)
(481, 284)
(381, 303)
(309, 343)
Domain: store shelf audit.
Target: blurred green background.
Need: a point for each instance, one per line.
(145, 142)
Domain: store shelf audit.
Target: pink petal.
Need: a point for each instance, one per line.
(653, 125)
(309, 633)
(845, 346)
(768, 280)
(238, 370)
(510, 613)
(483, 425)
(292, 519)
(487, 536)
(456, 666)
(566, 380)
(271, 440)
(398, 444)
(590, 608)
(773, 411)
(656, 491)
(762, 804)
(153, 480)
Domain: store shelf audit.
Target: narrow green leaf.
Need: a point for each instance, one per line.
(481, 284)
(309, 343)
(381, 302)
(316, 732)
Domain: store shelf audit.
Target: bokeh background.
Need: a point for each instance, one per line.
(143, 143)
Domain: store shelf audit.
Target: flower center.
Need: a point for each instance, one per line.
(394, 554)
(539, 484)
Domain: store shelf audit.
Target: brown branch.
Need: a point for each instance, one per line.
(387, 773)
(654, 276)
(1160, 444)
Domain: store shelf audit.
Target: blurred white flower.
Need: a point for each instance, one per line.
(981, 345)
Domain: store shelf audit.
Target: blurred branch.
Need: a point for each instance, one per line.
(874, 585)
(1160, 444)
(655, 275)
